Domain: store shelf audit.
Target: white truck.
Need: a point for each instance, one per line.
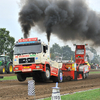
(32, 59)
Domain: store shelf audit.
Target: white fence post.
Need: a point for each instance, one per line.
(31, 88)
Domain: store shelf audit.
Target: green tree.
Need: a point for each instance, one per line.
(65, 52)
(55, 51)
(6, 42)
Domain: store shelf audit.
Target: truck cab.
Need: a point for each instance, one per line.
(29, 51)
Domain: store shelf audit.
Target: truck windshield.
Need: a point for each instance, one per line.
(26, 49)
(80, 51)
(2, 58)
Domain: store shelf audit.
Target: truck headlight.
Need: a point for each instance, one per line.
(16, 68)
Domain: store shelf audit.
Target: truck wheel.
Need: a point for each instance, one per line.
(68, 78)
(46, 75)
(21, 77)
(10, 68)
(59, 78)
(2, 70)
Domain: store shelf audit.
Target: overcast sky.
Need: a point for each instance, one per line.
(9, 10)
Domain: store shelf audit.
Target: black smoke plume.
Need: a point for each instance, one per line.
(67, 19)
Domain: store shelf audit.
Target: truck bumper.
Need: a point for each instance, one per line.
(29, 68)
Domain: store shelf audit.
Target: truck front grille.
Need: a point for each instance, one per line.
(26, 60)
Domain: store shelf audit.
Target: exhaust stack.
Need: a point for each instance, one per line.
(49, 49)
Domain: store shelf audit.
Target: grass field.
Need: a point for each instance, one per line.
(9, 78)
(87, 95)
(96, 72)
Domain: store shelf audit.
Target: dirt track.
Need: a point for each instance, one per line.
(14, 90)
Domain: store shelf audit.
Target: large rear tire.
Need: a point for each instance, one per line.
(21, 77)
(10, 68)
(59, 78)
(2, 70)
